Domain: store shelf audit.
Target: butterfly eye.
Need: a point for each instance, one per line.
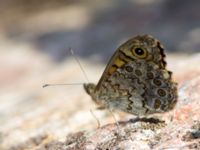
(139, 52)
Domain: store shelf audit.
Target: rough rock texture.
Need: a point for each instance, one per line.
(50, 119)
(182, 132)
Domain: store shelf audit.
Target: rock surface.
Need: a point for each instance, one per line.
(182, 132)
(59, 118)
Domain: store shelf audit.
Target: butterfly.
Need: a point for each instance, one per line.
(136, 80)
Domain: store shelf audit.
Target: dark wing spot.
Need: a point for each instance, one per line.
(157, 82)
(139, 51)
(129, 68)
(161, 92)
(138, 72)
(150, 75)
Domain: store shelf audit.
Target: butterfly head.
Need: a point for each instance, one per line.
(89, 88)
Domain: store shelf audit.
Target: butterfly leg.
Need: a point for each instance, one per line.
(97, 120)
(116, 122)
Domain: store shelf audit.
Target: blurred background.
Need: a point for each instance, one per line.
(35, 37)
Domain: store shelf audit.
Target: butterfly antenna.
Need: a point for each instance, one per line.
(46, 85)
(77, 60)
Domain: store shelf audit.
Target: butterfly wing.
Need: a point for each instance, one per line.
(135, 79)
(124, 55)
(140, 88)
